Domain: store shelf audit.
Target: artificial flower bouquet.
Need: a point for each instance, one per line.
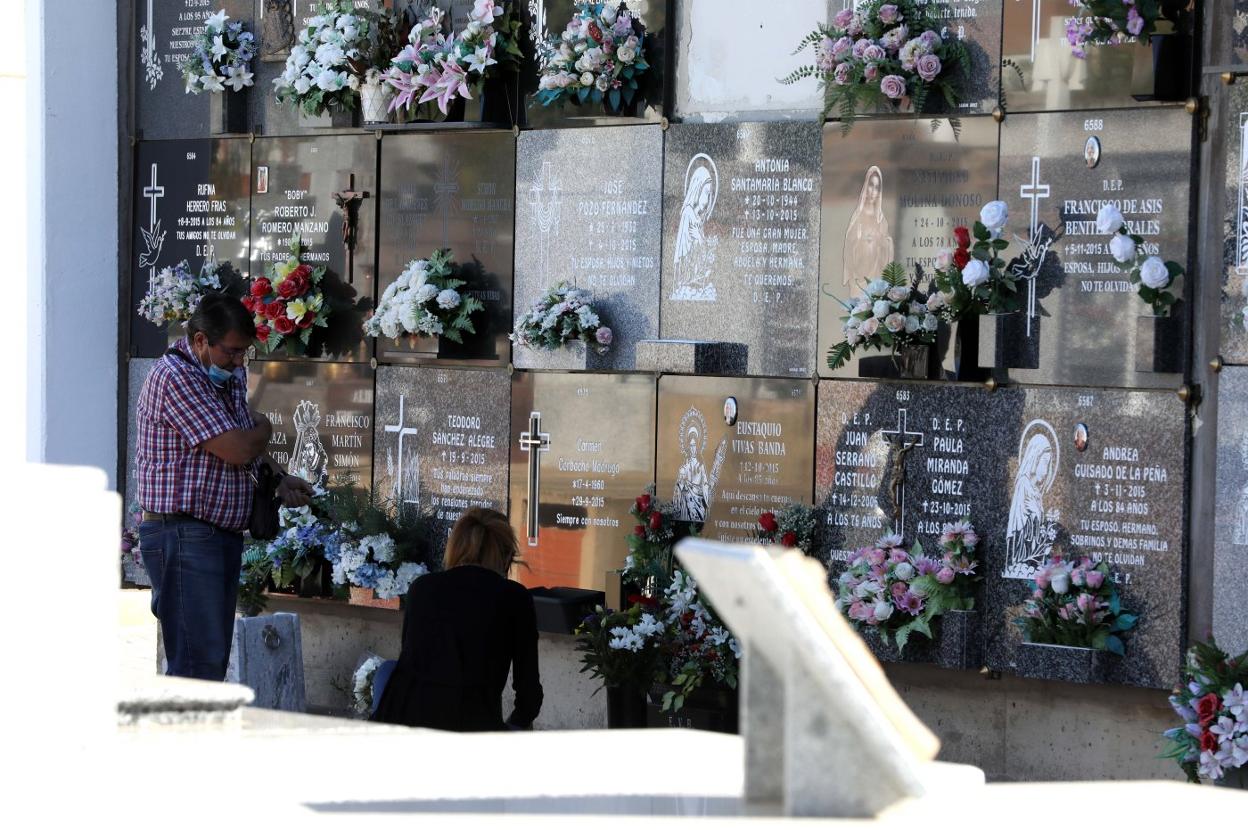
(891, 314)
(622, 648)
(1075, 603)
(650, 545)
(698, 648)
(563, 315)
(793, 528)
(895, 592)
(1211, 700)
(1150, 273)
(598, 59)
(331, 58)
(425, 301)
(287, 303)
(1111, 22)
(174, 292)
(883, 52)
(305, 538)
(220, 57)
(974, 279)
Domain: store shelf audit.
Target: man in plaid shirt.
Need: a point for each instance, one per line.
(197, 442)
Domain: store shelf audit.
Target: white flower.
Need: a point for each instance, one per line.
(898, 293)
(603, 83)
(912, 324)
(302, 86)
(852, 336)
(216, 22)
(929, 322)
(864, 306)
(994, 215)
(877, 288)
(424, 293)
(882, 610)
(212, 83)
(587, 79)
(219, 49)
(1060, 582)
(944, 259)
(869, 327)
(330, 81)
(479, 60)
(448, 298)
(1109, 219)
(330, 54)
(881, 308)
(903, 571)
(975, 273)
(895, 322)
(1153, 273)
(1122, 247)
(935, 302)
(239, 78)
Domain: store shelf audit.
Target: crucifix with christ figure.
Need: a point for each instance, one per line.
(534, 442)
(348, 202)
(905, 439)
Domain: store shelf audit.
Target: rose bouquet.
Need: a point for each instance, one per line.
(974, 279)
(221, 57)
(895, 593)
(890, 315)
(649, 561)
(425, 301)
(1111, 22)
(1153, 275)
(597, 59)
(287, 303)
(332, 54)
(174, 292)
(884, 51)
(440, 65)
(564, 314)
(1075, 604)
(1213, 739)
(793, 528)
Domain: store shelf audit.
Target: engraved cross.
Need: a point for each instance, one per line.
(534, 442)
(398, 478)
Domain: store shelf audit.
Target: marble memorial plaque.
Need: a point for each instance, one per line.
(741, 240)
(582, 450)
(165, 33)
(1234, 320)
(453, 191)
(726, 474)
(601, 235)
(1081, 318)
(1230, 558)
(191, 202)
(325, 191)
(322, 416)
(893, 191)
(441, 440)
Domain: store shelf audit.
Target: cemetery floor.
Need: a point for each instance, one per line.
(136, 633)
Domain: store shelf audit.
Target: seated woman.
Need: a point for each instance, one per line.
(462, 629)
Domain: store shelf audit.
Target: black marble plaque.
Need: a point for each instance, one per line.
(452, 191)
(322, 416)
(191, 202)
(893, 191)
(1234, 321)
(741, 240)
(297, 186)
(727, 474)
(582, 450)
(441, 440)
(601, 234)
(1080, 320)
(1230, 557)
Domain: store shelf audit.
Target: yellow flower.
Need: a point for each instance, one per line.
(314, 304)
(295, 309)
(283, 271)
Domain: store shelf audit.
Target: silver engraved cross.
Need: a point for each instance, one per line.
(534, 442)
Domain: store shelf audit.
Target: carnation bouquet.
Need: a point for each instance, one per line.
(332, 54)
(174, 292)
(221, 57)
(884, 51)
(895, 593)
(425, 301)
(1112, 22)
(1150, 273)
(890, 315)
(439, 64)
(1075, 604)
(287, 303)
(793, 528)
(597, 59)
(974, 279)
(1213, 704)
(564, 314)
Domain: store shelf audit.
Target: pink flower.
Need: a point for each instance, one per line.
(452, 83)
(1135, 23)
(1094, 579)
(898, 590)
(1037, 594)
(1076, 577)
(870, 72)
(894, 86)
(932, 39)
(861, 46)
(823, 55)
(873, 52)
(898, 555)
(926, 566)
(929, 67)
(843, 17)
(858, 610)
(604, 336)
(876, 556)
(842, 48)
(841, 74)
(1042, 579)
(889, 14)
(911, 603)
(945, 576)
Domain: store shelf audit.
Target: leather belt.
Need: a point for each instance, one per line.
(149, 516)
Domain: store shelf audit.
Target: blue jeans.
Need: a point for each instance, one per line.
(194, 568)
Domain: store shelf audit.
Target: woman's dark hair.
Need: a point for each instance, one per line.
(482, 537)
(218, 315)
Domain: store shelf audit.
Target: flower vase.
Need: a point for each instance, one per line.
(427, 347)
(367, 598)
(1004, 342)
(228, 112)
(626, 707)
(1162, 71)
(1159, 345)
(316, 584)
(958, 346)
(711, 709)
(1073, 664)
(956, 643)
(912, 362)
(375, 98)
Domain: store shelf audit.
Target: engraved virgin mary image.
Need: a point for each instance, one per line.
(868, 247)
(1031, 531)
(694, 486)
(310, 461)
(695, 251)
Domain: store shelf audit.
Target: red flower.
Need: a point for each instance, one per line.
(307, 320)
(261, 288)
(789, 540)
(302, 272)
(656, 521)
(1207, 708)
(639, 530)
(275, 310)
(594, 32)
(638, 599)
(643, 503)
(768, 522)
(1208, 742)
(961, 257)
(963, 236)
(284, 325)
(262, 333)
(249, 303)
(292, 286)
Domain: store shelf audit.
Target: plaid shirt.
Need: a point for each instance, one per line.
(178, 410)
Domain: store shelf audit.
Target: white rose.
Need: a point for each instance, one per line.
(993, 215)
(1109, 219)
(448, 298)
(587, 79)
(898, 293)
(877, 288)
(929, 322)
(912, 324)
(604, 83)
(1153, 273)
(869, 327)
(1122, 247)
(882, 610)
(895, 322)
(302, 86)
(626, 54)
(865, 305)
(935, 301)
(975, 273)
(1060, 582)
(881, 308)
(852, 336)
(944, 259)
(904, 571)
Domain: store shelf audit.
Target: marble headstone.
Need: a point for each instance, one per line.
(601, 234)
(192, 203)
(1234, 320)
(1230, 558)
(453, 191)
(267, 657)
(322, 416)
(741, 240)
(582, 450)
(441, 440)
(726, 474)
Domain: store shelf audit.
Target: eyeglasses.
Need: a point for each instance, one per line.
(231, 353)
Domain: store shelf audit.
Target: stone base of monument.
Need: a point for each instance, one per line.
(267, 657)
(1042, 661)
(714, 710)
(572, 357)
(1003, 342)
(228, 112)
(956, 645)
(1159, 342)
(692, 357)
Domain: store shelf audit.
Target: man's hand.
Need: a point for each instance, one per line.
(294, 491)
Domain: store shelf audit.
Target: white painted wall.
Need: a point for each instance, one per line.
(71, 207)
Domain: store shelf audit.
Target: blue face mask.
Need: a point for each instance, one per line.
(217, 376)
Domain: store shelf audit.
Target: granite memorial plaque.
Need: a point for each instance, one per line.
(1234, 320)
(165, 38)
(893, 191)
(1081, 318)
(1230, 557)
(323, 190)
(582, 450)
(601, 235)
(741, 240)
(731, 449)
(192, 203)
(441, 440)
(453, 191)
(322, 416)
